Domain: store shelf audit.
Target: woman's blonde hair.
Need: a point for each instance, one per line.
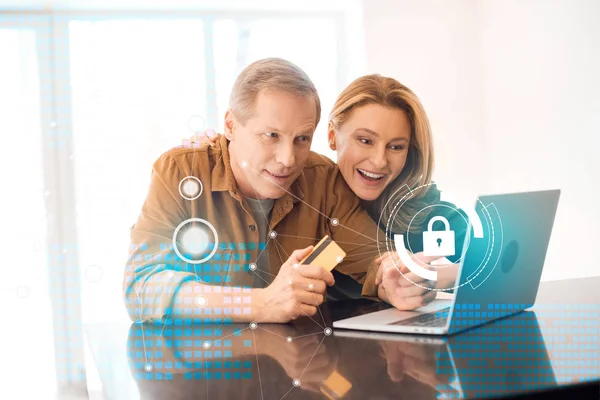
(418, 170)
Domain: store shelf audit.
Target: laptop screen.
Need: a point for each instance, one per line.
(500, 272)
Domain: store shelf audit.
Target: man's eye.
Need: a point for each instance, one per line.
(303, 139)
(271, 134)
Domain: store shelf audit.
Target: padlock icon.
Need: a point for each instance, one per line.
(438, 243)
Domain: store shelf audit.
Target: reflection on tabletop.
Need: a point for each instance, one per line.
(551, 348)
(301, 360)
(504, 357)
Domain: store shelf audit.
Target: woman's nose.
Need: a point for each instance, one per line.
(379, 159)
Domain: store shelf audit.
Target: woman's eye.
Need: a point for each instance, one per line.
(365, 141)
(397, 147)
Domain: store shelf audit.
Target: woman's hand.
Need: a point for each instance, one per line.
(419, 361)
(207, 136)
(400, 287)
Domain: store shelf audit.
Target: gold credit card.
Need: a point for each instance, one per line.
(336, 386)
(326, 254)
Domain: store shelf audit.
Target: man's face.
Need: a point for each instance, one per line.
(268, 153)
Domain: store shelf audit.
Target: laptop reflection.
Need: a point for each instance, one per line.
(502, 358)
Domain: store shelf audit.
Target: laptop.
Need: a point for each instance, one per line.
(498, 275)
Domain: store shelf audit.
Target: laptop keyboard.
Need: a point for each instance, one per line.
(434, 319)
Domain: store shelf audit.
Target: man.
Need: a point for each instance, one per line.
(224, 228)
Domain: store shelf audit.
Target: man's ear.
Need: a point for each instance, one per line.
(229, 125)
(331, 136)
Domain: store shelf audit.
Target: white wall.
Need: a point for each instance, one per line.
(511, 88)
(433, 48)
(542, 115)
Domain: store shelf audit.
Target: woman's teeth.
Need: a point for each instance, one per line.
(370, 175)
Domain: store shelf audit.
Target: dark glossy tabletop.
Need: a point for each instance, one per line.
(554, 348)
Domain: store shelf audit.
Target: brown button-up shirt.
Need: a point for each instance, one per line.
(154, 271)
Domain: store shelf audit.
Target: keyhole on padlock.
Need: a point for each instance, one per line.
(439, 242)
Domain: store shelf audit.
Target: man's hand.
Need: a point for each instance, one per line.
(296, 291)
(400, 287)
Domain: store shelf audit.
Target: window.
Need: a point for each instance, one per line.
(89, 100)
(135, 85)
(24, 284)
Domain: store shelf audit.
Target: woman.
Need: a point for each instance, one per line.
(384, 146)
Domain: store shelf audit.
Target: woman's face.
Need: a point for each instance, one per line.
(372, 146)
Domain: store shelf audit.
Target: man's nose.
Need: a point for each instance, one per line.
(286, 156)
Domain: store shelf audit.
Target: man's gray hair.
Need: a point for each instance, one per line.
(272, 74)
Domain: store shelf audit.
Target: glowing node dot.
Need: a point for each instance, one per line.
(252, 267)
(206, 345)
(327, 331)
(272, 234)
(253, 325)
(290, 282)
(148, 367)
(190, 188)
(244, 164)
(296, 266)
(339, 259)
(195, 240)
(296, 382)
(335, 222)
(289, 339)
(201, 301)
(310, 286)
